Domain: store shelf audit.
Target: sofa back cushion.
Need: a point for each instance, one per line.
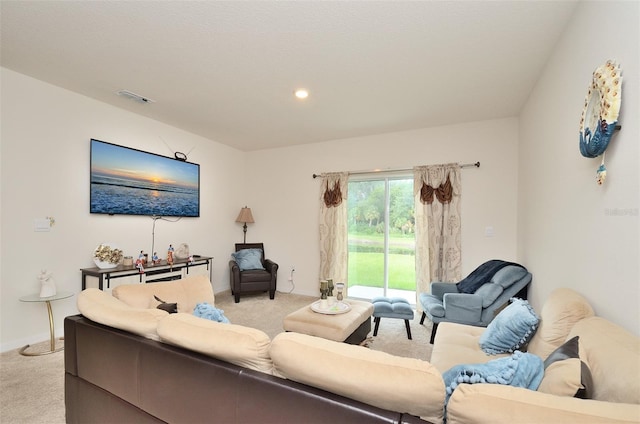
(101, 307)
(508, 275)
(187, 293)
(489, 292)
(376, 378)
(243, 346)
(562, 310)
(613, 356)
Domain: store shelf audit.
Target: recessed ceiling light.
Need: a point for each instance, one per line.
(301, 93)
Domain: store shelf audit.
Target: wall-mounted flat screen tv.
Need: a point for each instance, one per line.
(126, 181)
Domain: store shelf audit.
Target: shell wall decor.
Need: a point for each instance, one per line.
(600, 113)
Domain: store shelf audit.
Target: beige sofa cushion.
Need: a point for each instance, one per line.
(500, 404)
(565, 374)
(457, 344)
(376, 378)
(613, 356)
(103, 308)
(562, 309)
(562, 378)
(242, 346)
(187, 293)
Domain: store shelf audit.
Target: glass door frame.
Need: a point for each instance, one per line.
(386, 178)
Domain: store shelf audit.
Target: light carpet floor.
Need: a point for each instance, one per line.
(32, 388)
(258, 311)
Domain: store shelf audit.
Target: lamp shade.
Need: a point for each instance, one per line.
(245, 216)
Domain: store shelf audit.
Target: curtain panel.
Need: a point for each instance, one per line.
(437, 193)
(333, 227)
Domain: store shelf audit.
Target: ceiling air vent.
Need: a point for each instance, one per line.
(134, 96)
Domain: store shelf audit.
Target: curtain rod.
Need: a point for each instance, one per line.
(375, 171)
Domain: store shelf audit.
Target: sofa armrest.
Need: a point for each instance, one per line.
(495, 404)
(439, 289)
(99, 306)
(270, 266)
(463, 307)
(233, 266)
(234, 270)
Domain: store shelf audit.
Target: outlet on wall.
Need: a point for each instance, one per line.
(293, 269)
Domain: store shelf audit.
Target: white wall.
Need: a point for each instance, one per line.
(572, 232)
(45, 169)
(285, 198)
(45, 172)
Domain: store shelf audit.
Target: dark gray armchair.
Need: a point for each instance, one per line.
(478, 298)
(262, 276)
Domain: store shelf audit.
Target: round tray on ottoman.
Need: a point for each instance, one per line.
(336, 308)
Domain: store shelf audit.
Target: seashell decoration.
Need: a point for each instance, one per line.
(600, 113)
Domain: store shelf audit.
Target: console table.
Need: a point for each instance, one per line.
(106, 279)
(36, 298)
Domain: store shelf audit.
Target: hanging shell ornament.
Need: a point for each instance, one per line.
(601, 173)
(601, 109)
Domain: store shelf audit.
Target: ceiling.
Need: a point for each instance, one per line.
(227, 70)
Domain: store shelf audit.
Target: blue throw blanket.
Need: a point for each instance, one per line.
(519, 370)
(483, 274)
(207, 311)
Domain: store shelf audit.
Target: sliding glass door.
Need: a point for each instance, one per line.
(381, 237)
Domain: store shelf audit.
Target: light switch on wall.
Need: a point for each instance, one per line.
(40, 225)
(488, 231)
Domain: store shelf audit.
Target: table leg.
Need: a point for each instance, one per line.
(52, 335)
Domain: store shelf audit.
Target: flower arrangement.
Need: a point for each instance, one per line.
(107, 253)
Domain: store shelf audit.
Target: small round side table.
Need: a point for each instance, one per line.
(36, 298)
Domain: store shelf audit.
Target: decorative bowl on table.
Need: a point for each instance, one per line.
(107, 255)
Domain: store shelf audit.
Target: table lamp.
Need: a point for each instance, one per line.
(245, 217)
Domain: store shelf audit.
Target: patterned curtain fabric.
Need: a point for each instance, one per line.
(437, 190)
(333, 227)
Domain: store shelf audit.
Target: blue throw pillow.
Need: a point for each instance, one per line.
(511, 329)
(248, 259)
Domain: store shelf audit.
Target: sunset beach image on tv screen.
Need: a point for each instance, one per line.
(132, 182)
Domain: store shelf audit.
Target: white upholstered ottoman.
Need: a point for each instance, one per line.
(351, 327)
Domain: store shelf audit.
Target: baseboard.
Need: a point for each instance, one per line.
(38, 338)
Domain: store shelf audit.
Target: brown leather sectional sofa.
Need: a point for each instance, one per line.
(114, 376)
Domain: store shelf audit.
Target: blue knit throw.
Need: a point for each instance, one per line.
(519, 370)
(207, 311)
